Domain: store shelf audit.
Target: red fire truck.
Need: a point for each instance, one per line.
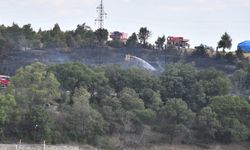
(177, 42)
(121, 36)
(4, 81)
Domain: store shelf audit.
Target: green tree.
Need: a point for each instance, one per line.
(58, 37)
(160, 42)
(225, 42)
(84, 36)
(4, 46)
(175, 78)
(231, 106)
(7, 102)
(83, 123)
(133, 113)
(201, 51)
(8, 110)
(76, 75)
(130, 99)
(180, 81)
(233, 113)
(232, 131)
(133, 78)
(102, 35)
(28, 32)
(116, 43)
(143, 36)
(9, 117)
(151, 99)
(31, 37)
(34, 85)
(239, 79)
(214, 82)
(175, 118)
(36, 125)
(56, 31)
(132, 41)
(70, 40)
(14, 36)
(206, 125)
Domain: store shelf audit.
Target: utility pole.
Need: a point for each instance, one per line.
(101, 15)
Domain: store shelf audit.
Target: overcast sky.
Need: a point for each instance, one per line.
(201, 21)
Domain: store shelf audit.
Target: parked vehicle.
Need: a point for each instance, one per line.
(120, 36)
(4, 80)
(178, 42)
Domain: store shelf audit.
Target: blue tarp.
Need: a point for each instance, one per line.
(244, 46)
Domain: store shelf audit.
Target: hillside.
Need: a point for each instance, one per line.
(93, 96)
(104, 56)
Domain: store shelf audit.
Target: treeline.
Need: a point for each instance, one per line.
(74, 103)
(15, 37)
(24, 38)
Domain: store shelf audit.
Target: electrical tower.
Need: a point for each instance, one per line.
(101, 15)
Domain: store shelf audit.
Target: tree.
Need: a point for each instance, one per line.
(36, 125)
(76, 75)
(115, 43)
(70, 40)
(225, 42)
(160, 42)
(232, 131)
(175, 118)
(14, 36)
(58, 37)
(130, 100)
(132, 41)
(239, 79)
(201, 51)
(84, 36)
(206, 124)
(28, 32)
(215, 83)
(102, 35)
(180, 81)
(134, 78)
(230, 57)
(175, 78)
(4, 46)
(56, 31)
(143, 35)
(152, 99)
(239, 53)
(7, 101)
(31, 38)
(34, 85)
(232, 107)
(9, 116)
(233, 114)
(83, 123)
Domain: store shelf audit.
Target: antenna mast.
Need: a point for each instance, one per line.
(101, 15)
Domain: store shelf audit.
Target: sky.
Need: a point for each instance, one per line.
(201, 21)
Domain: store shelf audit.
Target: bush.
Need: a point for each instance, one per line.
(116, 44)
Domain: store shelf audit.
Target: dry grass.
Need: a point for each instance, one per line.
(40, 147)
(247, 55)
(240, 146)
(243, 146)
